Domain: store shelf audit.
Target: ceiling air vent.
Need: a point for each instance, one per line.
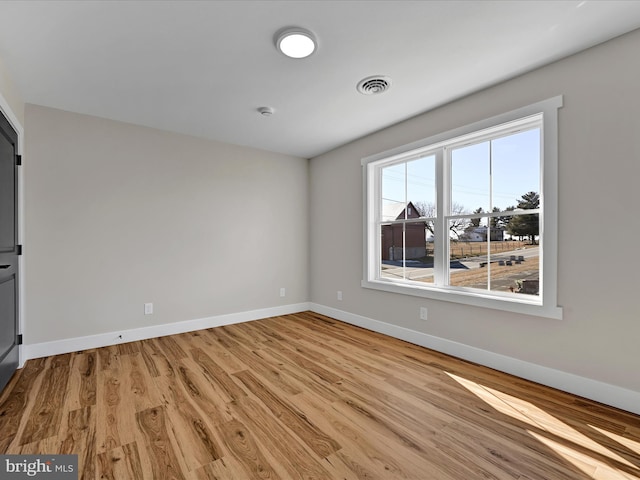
(374, 85)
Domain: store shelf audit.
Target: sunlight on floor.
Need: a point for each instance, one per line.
(627, 442)
(582, 462)
(586, 463)
(575, 447)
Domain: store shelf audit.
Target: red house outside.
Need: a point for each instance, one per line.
(414, 246)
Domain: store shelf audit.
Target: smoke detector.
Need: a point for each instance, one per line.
(374, 85)
(266, 111)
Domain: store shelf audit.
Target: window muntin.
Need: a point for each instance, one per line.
(481, 175)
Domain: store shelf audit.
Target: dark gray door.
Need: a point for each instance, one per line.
(9, 251)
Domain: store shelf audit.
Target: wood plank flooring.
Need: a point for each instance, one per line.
(305, 397)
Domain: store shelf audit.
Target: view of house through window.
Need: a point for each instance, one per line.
(408, 193)
(465, 214)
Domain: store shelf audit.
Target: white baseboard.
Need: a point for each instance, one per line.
(605, 393)
(57, 347)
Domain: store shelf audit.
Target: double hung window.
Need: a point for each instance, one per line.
(469, 215)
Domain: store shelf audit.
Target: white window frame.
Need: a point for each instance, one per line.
(543, 305)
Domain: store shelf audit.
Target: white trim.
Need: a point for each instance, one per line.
(605, 393)
(414, 147)
(494, 300)
(68, 345)
(8, 112)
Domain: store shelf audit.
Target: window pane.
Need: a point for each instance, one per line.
(516, 271)
(515, 168)
(421, 186)
(492, 259)
(468, 253)
(393, 253)
(393, 192)
(404, 253)
(521, 270)
(470, 178)
(392, 242)
(415, 241)
(523, 227)
(426, 274)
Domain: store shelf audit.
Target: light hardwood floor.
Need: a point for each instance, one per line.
(305, 396)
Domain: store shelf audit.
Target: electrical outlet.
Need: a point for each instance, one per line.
(283, 292)
(148, 308)
(423, 313)
(339, 295)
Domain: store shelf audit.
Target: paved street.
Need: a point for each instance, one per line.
(416, 270)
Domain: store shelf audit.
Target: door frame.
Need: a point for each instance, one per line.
(9, 114)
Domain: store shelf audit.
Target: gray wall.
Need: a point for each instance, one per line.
(118, 215)
(10, 94)
(599, 171)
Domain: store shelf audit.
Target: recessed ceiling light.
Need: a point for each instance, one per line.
(296, 42)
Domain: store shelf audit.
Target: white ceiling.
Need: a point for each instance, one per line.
(203, 68)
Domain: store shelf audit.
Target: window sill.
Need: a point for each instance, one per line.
(468, 298)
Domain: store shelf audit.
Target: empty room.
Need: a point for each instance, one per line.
(325, 240)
